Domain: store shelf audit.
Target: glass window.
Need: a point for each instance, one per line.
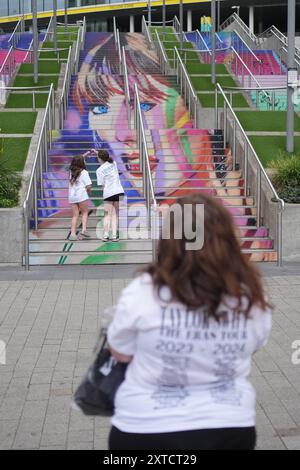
(14, 7)
(3, 8)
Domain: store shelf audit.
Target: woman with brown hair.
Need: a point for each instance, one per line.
(188, 327)
(80, 186)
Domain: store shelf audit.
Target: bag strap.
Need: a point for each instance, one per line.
(102, 341)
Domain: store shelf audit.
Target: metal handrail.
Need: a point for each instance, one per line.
(296, 60)
(249, 71)
(27, 54)
(260, 171)
(126, 83)
(50, 29)
(163, 60)
(24, 90)
(148, 185)
(186, 87)
(273, 30)
(207, 52)
(77, 51)
(146, 32)
(176, 24)
(118, 47)
(249, 49)
(83, 32)
(36, 181)
(65, 90)
(204, 42)
(8, 65)
(158, 23)
(115, 29)
(284, 42)
(235, 17)
(15, 36)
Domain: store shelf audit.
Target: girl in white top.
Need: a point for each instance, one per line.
(108, 177)
(80, 186)
(188, 327)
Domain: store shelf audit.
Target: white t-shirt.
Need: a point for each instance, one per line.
(108, 176)
(77, 191)
(186, 374)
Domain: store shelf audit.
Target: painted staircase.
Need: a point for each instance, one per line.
(183, 159)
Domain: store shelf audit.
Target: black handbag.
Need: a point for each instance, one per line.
(95, 395)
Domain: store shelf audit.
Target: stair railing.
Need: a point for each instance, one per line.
(16, 34)
(269, 207)
(146, 33)
(118, 47)
(280, 43)
(163, 60)
(176, 25)
(36, 183)
(206, 55)
(234, 18)
(283, 57)
(76, 51)
(28, 59)
(63, 103)
(186, 87)
(115, 28)
(83, 32)
(34, 91)
(148, 185)
(254, 58)
(49, 31)
(271, 93)
(234, 63)
(126, 86)
(273, 31)
(8, 67)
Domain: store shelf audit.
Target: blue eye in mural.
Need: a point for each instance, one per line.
(147, 106)
(100, 109)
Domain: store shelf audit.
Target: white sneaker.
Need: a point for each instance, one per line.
(105, 237)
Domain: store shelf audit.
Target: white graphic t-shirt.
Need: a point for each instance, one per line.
(77, 191)
(187, 373)
(108, 176)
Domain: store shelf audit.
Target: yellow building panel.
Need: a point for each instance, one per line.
(100, 8)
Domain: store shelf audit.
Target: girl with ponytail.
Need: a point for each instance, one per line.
(108, 177)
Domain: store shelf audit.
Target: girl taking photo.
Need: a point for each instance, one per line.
(108, 177)
(80, 187)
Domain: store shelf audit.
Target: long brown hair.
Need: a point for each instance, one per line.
(76, 167)
(203, 278)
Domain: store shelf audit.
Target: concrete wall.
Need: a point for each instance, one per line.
(291, 232)
(11, 220)
(11, 245)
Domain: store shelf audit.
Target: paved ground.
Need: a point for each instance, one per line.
(50, 319)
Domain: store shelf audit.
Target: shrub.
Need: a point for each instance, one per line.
(287, 177)
(10, 184)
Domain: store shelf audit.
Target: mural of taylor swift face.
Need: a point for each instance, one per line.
(101, 96)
